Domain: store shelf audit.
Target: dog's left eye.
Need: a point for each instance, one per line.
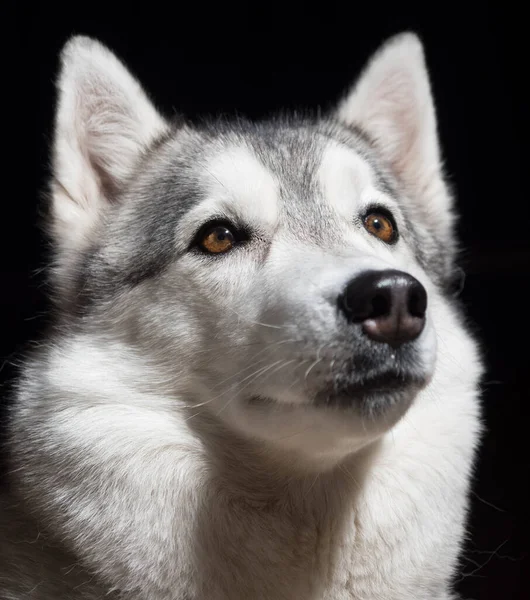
(217, 239)
(382, 225)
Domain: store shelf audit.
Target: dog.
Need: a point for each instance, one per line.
(259, 383)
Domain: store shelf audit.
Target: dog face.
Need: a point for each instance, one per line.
(288, 277)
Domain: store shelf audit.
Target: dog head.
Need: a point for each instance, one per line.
(287, 277)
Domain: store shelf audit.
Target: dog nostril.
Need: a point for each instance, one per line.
(362, 306)
(417, 303)
(380, 306)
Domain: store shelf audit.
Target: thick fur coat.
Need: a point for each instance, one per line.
(209, 425)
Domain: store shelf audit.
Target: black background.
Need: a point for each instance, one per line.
(255, 59)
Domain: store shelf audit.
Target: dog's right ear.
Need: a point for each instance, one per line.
(104, 122)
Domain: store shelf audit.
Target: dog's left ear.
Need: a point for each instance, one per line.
(392, 104)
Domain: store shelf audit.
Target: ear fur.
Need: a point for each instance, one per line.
(392, 103)
(104, 121)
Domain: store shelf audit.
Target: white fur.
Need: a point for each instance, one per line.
(237, 186)
(135, 478)
(104, 122)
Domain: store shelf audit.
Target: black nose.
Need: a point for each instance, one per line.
(390, 305)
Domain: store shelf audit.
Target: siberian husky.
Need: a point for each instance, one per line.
(258, 384)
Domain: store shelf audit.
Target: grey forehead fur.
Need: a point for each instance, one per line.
(167, 186)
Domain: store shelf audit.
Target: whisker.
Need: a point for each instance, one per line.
(318, 359)
(230, 388)
(262, 371)
(294, 371)
(248, 320)
(312, 485)
(240, 372)
(345, 470)
(288, 437)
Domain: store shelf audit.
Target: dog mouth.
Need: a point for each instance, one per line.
(372, 393)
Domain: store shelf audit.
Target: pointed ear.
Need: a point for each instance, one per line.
(392, 103)
(104, 121)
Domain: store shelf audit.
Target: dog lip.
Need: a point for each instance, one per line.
(347, 395)
(260, 400)
(385, 384)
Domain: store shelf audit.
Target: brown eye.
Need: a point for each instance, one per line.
(217, 240)
(381, 226)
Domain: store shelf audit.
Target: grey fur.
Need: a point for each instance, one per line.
(166, 185)
(212, 426)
